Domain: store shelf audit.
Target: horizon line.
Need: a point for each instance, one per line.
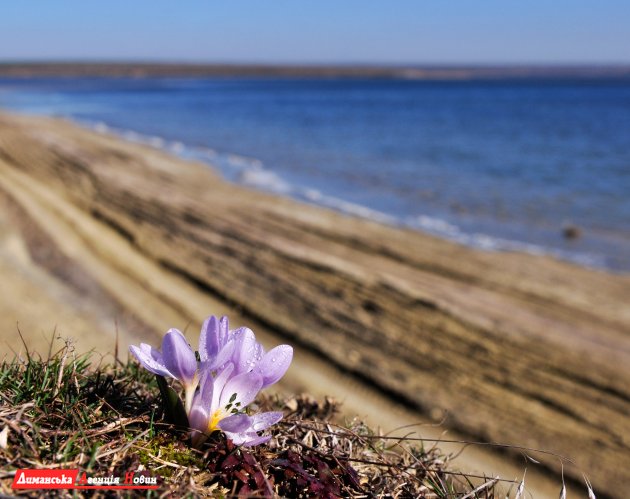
(144, 69)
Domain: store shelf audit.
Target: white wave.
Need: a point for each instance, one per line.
(101, 127)
(157, 142)
(347, 207)
(132, 136)
(235, 160)
(447, 230)
(176, 147)
(264, 179)
(312, 195)
(139, 138)
(432, 224)
(204, 152)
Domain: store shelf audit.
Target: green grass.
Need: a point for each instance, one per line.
(66, 411)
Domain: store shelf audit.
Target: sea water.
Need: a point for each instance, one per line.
(500, 165)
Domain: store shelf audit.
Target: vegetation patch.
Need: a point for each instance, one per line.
(106, 420)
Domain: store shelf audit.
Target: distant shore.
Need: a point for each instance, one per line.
(506, 347)
(416, 72)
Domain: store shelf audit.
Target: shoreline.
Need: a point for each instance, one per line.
(424, 224)
(497, 340)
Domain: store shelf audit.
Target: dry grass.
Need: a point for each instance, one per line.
(62, 412)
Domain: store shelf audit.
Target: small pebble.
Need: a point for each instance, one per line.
(571, 232)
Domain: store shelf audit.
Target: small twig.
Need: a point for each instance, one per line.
(62, 365)
(116, 361)
(267, 484)
(443, 440)
(28, 354)
(483, 486)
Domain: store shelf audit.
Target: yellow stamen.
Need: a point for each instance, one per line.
(217, 416)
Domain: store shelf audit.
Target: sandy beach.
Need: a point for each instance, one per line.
(99, 235)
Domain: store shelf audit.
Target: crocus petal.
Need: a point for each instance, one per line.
(241, 390)
(198, 417)
(210, 388)
(274, 364)
(250, 440)
(263, 420)
(239, 438)
(209, 343)
(235, 424)
(224, 355)
(247, 351)
(145, 356)
(154, 353)
(224, 330)
(178, 356)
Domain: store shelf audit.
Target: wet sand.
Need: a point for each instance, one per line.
(99, 235)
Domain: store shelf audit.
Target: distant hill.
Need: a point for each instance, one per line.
(140, 70)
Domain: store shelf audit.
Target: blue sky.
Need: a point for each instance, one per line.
(322, 31)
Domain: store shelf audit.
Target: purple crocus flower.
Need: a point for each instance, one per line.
(214, 347)
(243, 429)
(226, 390)
(274, 364)
(233, 369)
(176, 360)
(249, 355)
(220, 399)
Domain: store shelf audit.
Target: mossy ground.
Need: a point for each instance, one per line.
(71, 411)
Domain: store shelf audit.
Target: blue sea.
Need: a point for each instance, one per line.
(500, 165)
